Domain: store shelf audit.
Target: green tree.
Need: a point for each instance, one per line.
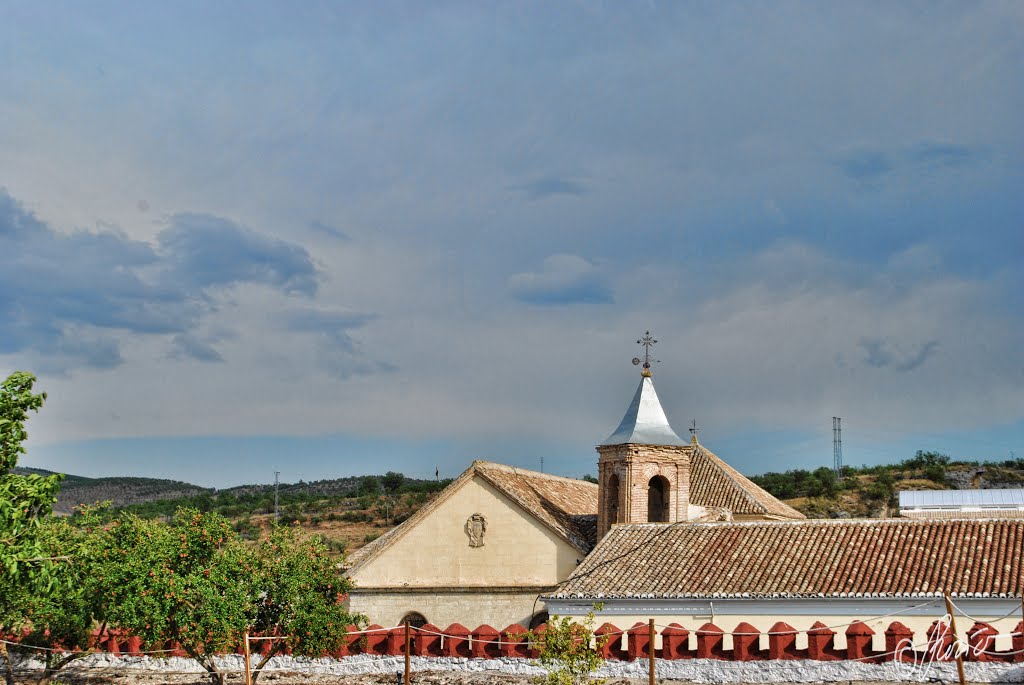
(64, 617)
(392, 481)
(301, 596)
(189, 582)
(567, 651)
(368, 486)
(922, 459)
(25, 502)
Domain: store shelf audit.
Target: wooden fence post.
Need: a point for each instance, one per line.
(956, 638)
(408, 641)
(650, 651)
(248, 661)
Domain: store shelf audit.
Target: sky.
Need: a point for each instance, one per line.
(331, 239)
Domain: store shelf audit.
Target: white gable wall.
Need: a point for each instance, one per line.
(520, 558)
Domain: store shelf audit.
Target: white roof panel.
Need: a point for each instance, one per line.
(913, 499)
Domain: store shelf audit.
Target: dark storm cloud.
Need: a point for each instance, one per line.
(64, 296)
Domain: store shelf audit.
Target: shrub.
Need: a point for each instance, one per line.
(567, 651)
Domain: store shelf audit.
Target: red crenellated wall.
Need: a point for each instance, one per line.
(486, 642)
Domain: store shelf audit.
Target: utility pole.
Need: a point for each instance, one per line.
(837, 445)
(276, 482)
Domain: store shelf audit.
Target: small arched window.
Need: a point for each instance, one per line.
(414, 619)
(540, 618)
(657, 500)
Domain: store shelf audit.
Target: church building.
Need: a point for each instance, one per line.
(498, 539)
(684, 547)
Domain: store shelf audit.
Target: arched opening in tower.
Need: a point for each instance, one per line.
(612, 503)
(657, 500)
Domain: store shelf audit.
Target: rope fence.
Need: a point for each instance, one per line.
(402, 642)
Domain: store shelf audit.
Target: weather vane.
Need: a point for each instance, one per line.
(647, 341)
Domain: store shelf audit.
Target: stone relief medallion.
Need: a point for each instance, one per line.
(476, 526)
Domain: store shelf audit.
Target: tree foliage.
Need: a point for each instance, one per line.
(392, 481)
(567, 651)
(301, 596)
(196, 583)
(64, 617)
(25, 500)
(821, 482)
(189, 582)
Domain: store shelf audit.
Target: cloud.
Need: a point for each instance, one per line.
(865, 165)
(192, 346)
(63, 297)
(333, 324)
(882, 354)
(337, 352)
(935, 154)
(206, 250)
(563, 279)
(870, 165)
(326, 229)
(82, 349)
(547, 186)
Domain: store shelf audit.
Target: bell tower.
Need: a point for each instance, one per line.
(643, 467)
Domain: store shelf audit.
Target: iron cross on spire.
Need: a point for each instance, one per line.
(647, 342)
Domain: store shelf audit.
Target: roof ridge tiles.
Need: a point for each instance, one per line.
(494, 466)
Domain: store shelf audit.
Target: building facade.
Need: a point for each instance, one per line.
(803, 572)
(482, 551)
(497, 540)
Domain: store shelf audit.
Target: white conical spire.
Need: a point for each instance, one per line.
(645, 422)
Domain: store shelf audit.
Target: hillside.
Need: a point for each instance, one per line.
(349, 512)
(121, 491)
(872, 491)
(346, 512)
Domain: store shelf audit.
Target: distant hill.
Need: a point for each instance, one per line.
(121, 491)
(158, 496)
(872, 491)
(349, 512)
(346, 512)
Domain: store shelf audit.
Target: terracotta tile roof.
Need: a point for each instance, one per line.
(566, 505)
(713, 483)
(814, 558)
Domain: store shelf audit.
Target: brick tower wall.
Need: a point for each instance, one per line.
(635, 465)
